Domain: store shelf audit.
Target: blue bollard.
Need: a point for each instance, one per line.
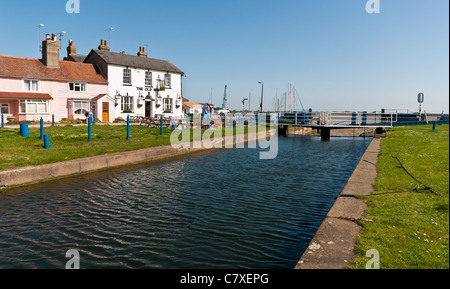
(162, 125)
(89, 130)
(93, 119)
(53, 120)
(354, 115)
(3, 121)
(173, 125)
(128, 127)
(364, 121)
(434, 125)
(24, 130)
(42, 129)
(46, 142)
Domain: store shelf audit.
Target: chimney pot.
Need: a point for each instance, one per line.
(47, 36)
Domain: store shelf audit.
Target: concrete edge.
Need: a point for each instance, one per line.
(35, 174)
(333, 246)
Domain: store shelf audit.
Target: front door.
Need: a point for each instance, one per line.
(148, 109)
(105, 117)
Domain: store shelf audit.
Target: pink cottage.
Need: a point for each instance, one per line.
(34, 88)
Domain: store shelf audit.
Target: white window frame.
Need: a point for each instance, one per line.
(81, 85)
(127, 75)
(148, 78)
(127, 102)
(29, 102)
(8, 108)
(167, 81)
(81, 105)
(31, 81)
(167, 105)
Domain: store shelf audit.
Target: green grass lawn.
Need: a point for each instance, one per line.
(71, 142)
(410, 230)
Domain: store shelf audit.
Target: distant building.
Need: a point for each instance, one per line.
(192, 108)
(140, 86)
(34, 88)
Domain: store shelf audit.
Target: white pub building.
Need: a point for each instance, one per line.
(140, 86)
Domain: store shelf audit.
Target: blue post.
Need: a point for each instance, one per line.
(24, 130)
(89, 130)
(354, 118)
(162, 125)
(93, 118)
(173, 125)
(53, 120)
(128, 127)
(434, 125)
(3, 121)
(46, 142)
(364, 121)
(42, 129)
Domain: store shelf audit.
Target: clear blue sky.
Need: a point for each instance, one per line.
(337, 55)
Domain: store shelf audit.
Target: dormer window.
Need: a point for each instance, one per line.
(31, 85)
(75, 86)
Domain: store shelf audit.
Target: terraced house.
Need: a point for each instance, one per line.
(34, 88)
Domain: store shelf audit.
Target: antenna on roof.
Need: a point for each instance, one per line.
(61, 35)
(40, 42)
(109, 33)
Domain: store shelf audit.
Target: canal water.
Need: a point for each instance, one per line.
(216, 210)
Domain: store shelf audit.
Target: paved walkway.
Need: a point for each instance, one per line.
(333, 246)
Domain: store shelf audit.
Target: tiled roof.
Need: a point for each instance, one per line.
(20, 67)
(136, 61)
(193, 105)
(24, 95)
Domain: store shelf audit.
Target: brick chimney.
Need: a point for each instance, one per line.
(104, 46)
(50, 51)
(71, 50)
(142, 52)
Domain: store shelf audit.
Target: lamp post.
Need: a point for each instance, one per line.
(262, 96)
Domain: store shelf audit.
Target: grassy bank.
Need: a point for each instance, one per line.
(409, 229)
(71, 142)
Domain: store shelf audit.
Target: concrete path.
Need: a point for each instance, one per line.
(333, 246)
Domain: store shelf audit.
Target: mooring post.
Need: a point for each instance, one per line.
(89, 130)
(3, 121)
(42, 129)
(162, 125)
(46, 142)
(128, 127)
